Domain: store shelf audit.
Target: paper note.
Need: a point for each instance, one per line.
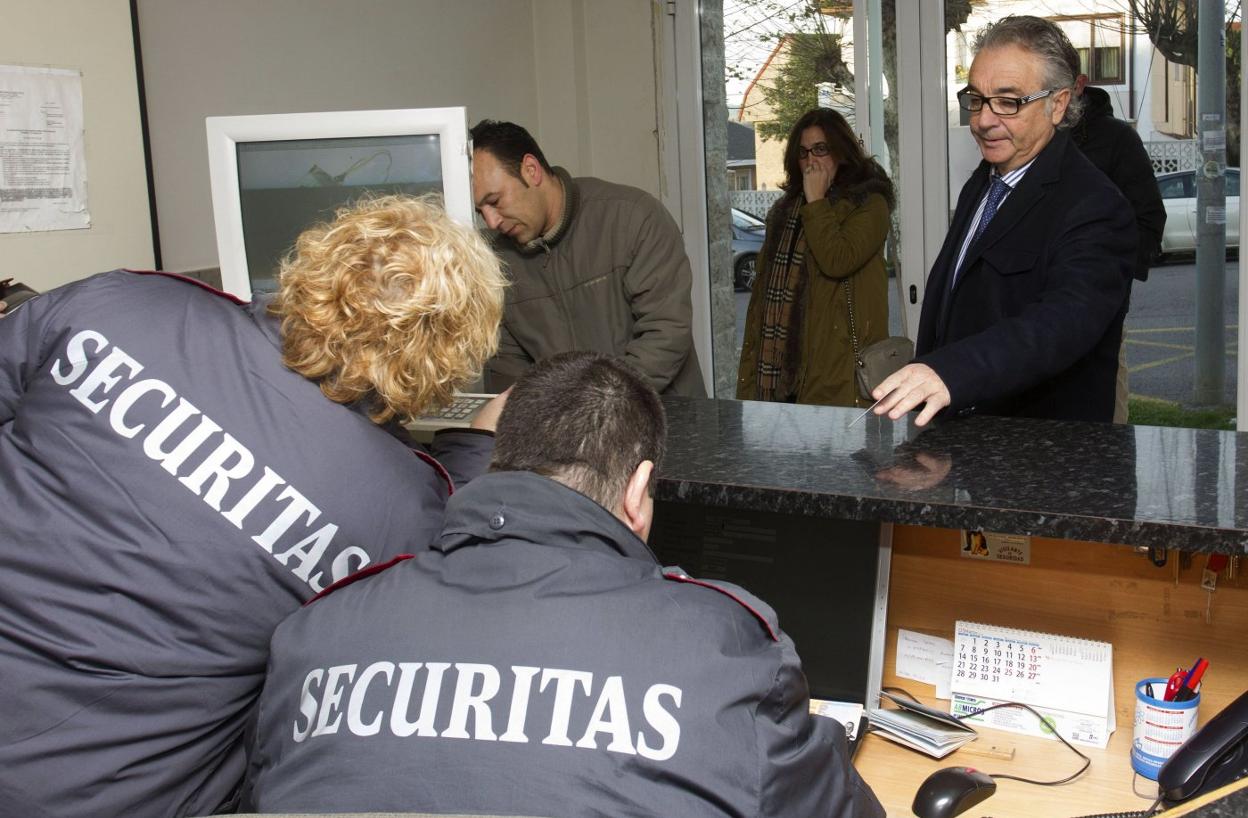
(925, 659)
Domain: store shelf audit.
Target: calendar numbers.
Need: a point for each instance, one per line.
(998, 662)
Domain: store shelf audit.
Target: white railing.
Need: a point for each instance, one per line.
(755, 202)
(1173, 154)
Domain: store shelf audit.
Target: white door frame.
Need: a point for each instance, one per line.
(923, 142)
(682, 157)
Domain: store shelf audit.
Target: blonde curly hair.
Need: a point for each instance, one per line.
(392, 303)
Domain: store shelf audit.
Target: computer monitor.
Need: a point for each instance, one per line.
(274, 175)
(826, 579)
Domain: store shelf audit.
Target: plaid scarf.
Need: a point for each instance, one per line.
(778, 355)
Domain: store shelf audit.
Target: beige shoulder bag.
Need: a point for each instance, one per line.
(881, 359)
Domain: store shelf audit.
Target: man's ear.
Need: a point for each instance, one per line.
(637, 506)
(531, 171)
(1061, 99)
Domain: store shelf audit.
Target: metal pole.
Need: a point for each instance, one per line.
(1241, 402)
(875, 82)
(1210, 205)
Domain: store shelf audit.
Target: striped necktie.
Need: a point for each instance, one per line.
(996, 192)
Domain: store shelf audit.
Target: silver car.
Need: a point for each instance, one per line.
(1178, 193)
(747, 240)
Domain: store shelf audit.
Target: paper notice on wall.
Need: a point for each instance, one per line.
(1213, 140)
(43, 172)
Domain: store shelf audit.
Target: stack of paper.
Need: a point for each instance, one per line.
(920, 727)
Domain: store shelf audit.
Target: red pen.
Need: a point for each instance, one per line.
(1188, 690)
(1173, 685)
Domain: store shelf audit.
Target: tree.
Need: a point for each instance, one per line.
(813, 59)
(1171, 27)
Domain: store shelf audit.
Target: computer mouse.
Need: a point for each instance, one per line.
(952, 790)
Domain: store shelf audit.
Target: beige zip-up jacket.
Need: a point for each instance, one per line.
(612, 277)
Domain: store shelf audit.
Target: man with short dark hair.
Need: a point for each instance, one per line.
(594, 266)
(539, 661)
(1024, 306)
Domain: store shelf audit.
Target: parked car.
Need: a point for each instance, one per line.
(1178, 193)
(747, 240)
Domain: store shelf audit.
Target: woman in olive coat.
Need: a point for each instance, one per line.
(824, 246)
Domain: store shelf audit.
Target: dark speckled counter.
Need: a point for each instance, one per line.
(1136, 485)
(1234, 805)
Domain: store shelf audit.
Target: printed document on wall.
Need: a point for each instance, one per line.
(43, 172)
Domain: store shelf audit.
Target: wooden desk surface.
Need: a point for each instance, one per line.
(1075, 589)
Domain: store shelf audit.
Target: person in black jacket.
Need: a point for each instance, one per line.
(1023, 311)
(1117, 151)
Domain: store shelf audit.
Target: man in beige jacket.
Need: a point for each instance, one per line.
(593, 266)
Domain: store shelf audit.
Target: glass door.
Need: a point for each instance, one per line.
(893, 68)
(1165, 68)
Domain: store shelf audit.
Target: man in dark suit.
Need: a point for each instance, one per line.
(1024, 305)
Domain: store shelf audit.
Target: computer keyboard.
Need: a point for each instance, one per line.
(458, 415)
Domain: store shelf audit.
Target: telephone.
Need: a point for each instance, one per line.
(1217, 754)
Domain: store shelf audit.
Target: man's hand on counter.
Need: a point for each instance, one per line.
(908, 387)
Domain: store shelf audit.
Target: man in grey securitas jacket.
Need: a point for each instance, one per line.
(170, 491)
(593, 266)
(539, 661)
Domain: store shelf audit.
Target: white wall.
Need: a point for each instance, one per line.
(578, 73)
(92, 36)
(595, 84)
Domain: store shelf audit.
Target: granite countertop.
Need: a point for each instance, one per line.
(1234, 805)
(1136, 485)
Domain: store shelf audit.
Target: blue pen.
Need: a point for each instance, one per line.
(1190, 671)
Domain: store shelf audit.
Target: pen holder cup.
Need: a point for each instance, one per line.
(1161, 727)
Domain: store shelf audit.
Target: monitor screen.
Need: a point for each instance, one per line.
(284, 186)
(275, 175)
(827, 581)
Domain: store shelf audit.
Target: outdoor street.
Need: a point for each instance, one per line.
(1161, 331)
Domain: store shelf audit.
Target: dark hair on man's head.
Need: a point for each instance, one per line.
(508, 143)
(1046, 40)
(854, 166)
(584, 419)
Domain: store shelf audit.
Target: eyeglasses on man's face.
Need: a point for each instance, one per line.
(818, 149)
(1001, 106)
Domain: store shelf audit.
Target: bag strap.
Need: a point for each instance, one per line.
(853, 330)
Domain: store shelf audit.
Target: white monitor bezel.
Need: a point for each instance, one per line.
(225, 132)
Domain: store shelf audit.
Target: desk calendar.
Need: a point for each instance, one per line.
(1070, 681)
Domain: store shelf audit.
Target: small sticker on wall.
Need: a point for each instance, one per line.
(1215, 215)
(985, 545)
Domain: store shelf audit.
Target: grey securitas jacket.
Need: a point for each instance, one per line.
(169, 492)
(539, 661)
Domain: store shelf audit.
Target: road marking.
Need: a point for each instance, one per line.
(1170, 329)
(1161, 345)
(1162, 362)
